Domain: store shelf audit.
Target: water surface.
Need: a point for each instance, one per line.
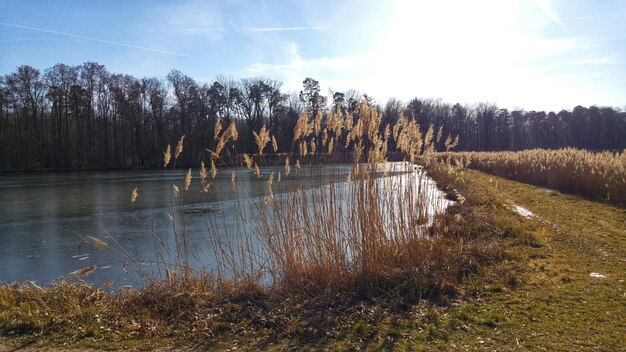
(46, 218)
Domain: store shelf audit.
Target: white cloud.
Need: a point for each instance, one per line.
(193, 16)
(459, 51)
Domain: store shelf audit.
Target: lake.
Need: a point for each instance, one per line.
(46, 218)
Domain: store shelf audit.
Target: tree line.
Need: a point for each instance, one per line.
(85, 117)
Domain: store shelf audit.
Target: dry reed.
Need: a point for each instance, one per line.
(372, 235)
(596, 175)
(334, 235)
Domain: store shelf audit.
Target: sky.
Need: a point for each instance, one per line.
(518, 54)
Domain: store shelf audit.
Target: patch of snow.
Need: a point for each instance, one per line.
(598, 275)
(523, 211)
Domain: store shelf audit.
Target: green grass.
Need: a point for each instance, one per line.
(534, 293)
(558, 305)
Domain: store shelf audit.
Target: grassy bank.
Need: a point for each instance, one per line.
(530, 289)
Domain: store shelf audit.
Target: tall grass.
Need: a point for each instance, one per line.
(596, 175)
(372, 226)
(322, 233)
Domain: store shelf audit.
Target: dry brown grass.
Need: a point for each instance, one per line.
(361, 236)
(362, 233)
(600, 176)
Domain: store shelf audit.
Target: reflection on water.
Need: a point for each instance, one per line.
(45, 218)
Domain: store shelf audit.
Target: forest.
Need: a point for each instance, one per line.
(85, 117)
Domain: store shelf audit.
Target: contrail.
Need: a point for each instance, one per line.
(245, 29)
(23, 39)
(192, 30)
(278, 29)
(93, 39)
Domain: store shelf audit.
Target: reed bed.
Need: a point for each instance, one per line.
(368, 227)
(369, 230)
(595, 175)
(371, 227)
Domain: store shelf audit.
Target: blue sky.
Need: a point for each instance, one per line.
(531, 54)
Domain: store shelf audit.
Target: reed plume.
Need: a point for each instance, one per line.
(213, 169)
(248, 161)
(202, 172)
(167, 156)
(84, 271)
(261, 139)
(234, 135)
(98, 243)
(218, 128)
(133, 195)
(187, 180)
(179, 147)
